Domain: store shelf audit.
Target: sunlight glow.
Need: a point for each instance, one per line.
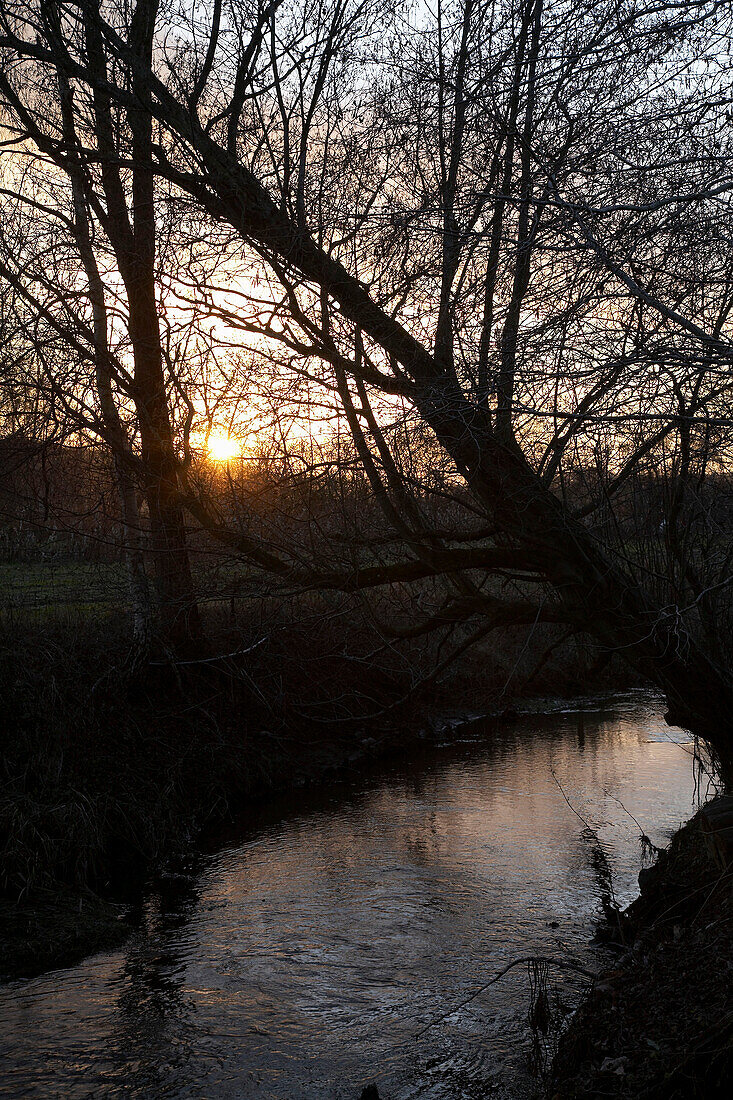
(222, 447)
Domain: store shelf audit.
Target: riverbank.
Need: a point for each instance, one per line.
(107, 775)
(659, 1024)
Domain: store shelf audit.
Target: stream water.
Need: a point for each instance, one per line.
(344, 938)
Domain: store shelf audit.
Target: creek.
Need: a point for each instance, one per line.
(340, 937)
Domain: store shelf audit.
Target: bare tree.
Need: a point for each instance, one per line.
(481, 223)
(126, 210)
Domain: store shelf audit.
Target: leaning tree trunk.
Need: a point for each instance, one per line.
(597, 596)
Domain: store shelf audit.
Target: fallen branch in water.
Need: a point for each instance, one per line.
(648, 847)
(562, 964)
(601, 865)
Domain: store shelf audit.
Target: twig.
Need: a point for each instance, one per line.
(210, 660)
(563, 964)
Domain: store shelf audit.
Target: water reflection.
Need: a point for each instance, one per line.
(312, 950)
(153, 1008)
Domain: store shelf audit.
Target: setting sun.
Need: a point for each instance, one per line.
(222, 447)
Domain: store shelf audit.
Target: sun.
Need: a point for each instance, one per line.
(222, 447)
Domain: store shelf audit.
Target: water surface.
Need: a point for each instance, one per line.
(345, 938)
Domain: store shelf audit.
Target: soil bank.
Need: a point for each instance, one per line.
(659, 1024)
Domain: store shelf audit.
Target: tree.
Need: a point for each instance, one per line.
(489, 218)
(132, 232)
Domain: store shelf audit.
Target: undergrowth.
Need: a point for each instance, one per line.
(104, 775)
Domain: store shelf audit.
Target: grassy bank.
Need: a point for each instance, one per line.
(105, 776)
(660, 1023)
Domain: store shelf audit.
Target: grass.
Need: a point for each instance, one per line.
(100, 779)
(38, 590)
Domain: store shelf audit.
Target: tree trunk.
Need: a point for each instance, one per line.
(180, 620)
(116, 435)
(133, 239)
(597, 595)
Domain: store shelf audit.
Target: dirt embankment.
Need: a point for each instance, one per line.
(659, 1025)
